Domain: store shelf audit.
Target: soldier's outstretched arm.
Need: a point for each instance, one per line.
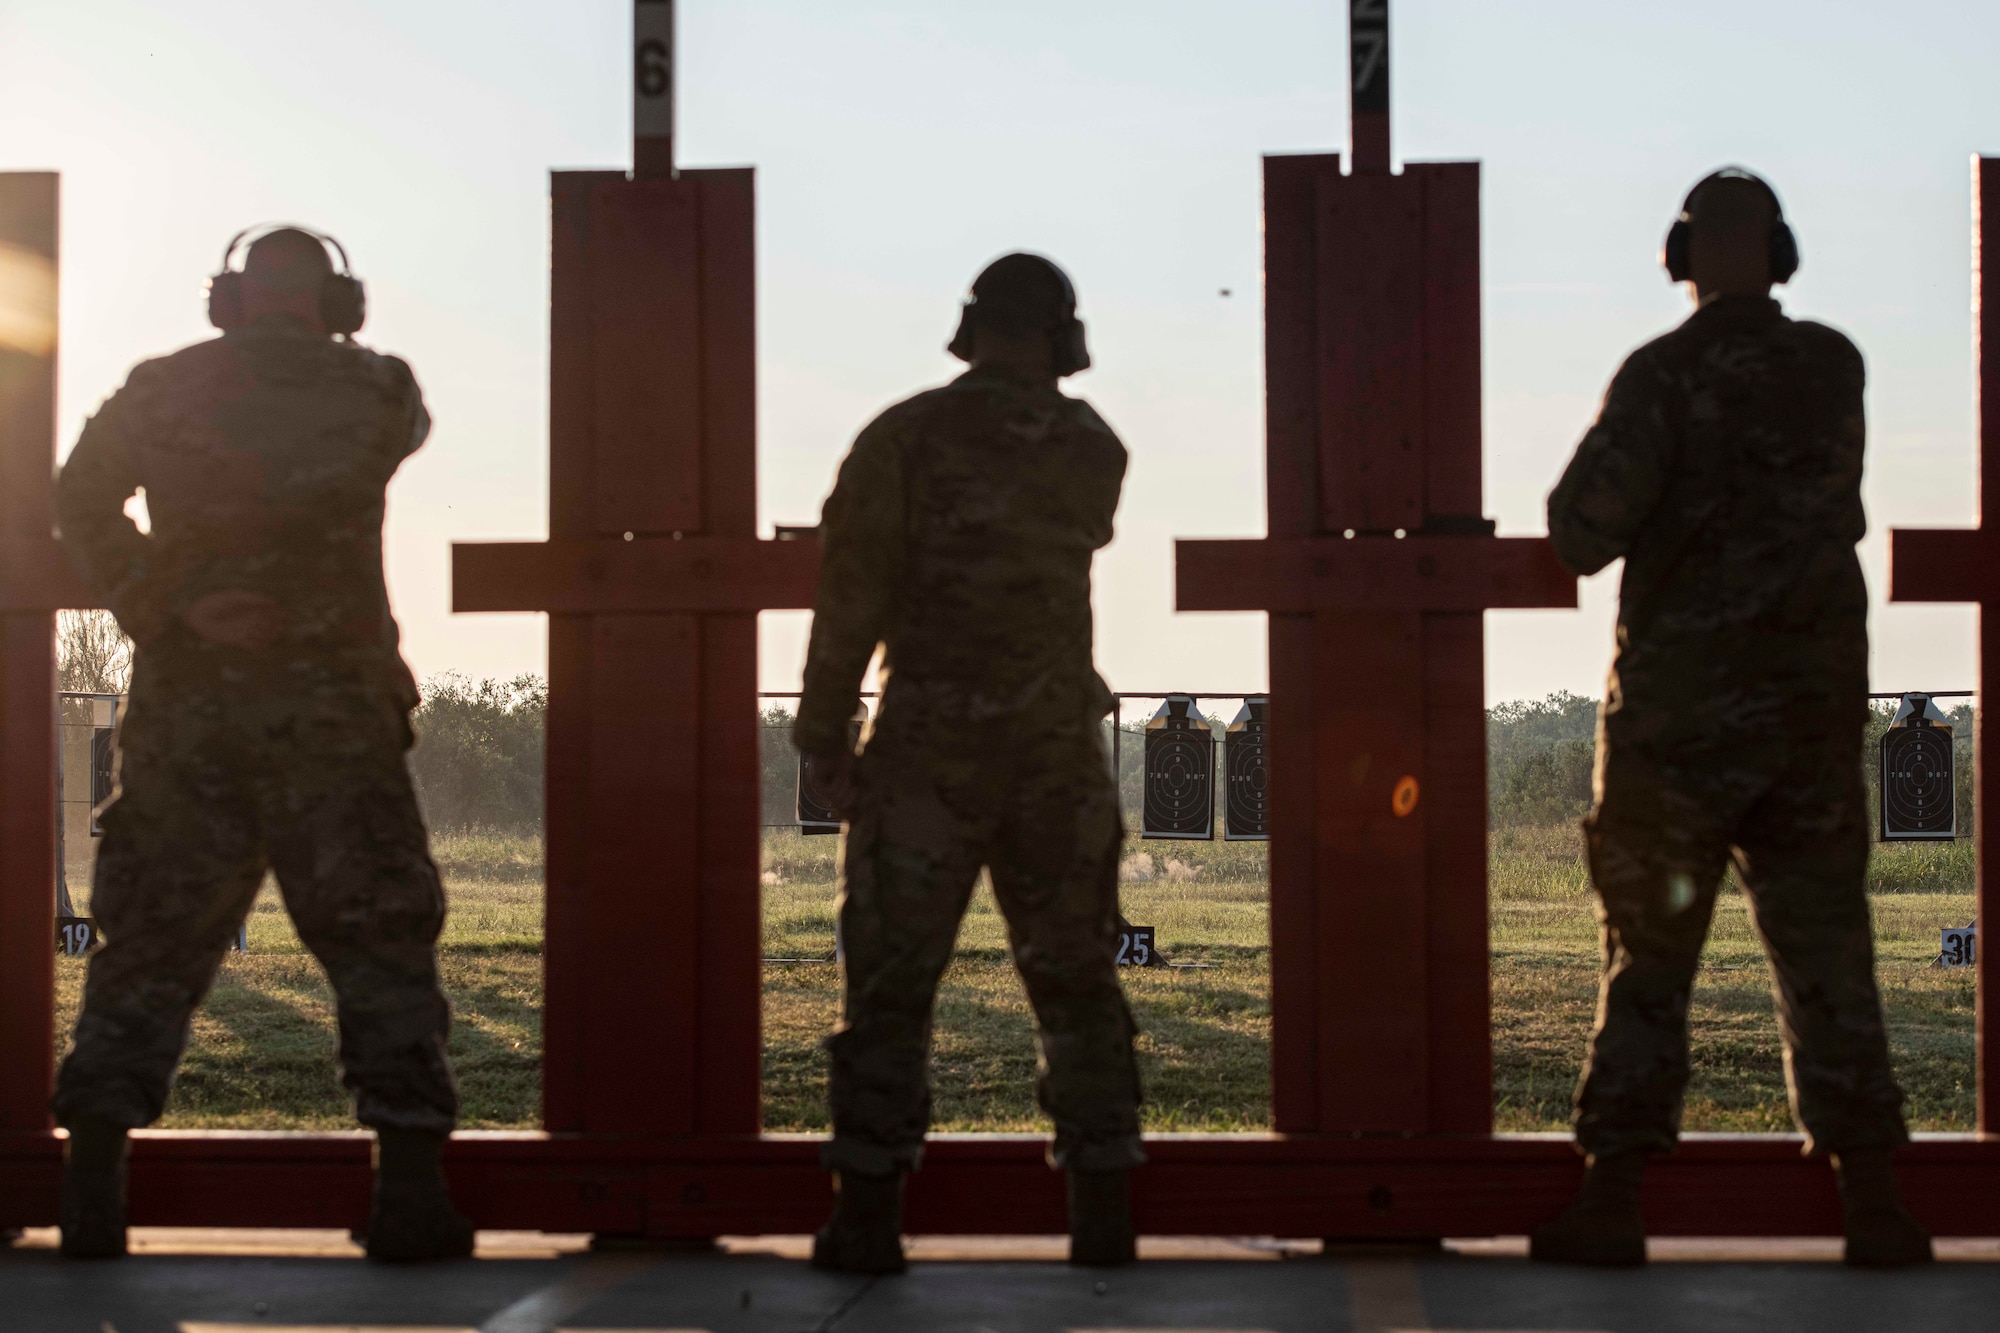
(861, 535)
(1619, 471)
(412, 420)
(1102, 478)
(99, 477)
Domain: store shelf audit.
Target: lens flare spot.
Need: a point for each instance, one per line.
(27, 301)
(1404, 798)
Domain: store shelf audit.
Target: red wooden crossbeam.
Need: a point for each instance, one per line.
(1963, 565)
(1305, 574)
(605, 575)
(1220, 1184)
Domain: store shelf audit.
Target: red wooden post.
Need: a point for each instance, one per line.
(654, 577)
(27, 649)
(35, 580)
(1963, 565)
(1376, 573)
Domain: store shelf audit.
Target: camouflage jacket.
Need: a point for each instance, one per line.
(959, 536)
(264, 456)
(1725, 467)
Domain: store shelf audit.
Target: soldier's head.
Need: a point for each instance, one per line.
(287, 273)
(283, 272)
(1021, 316)
(1731, 238)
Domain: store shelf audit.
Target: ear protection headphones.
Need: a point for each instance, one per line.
(1066, 340)
(343, 302)
(1680, 237)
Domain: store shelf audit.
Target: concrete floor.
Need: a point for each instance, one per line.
(184, 1281)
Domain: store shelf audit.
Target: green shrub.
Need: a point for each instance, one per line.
(1539, 759)
(478, 759)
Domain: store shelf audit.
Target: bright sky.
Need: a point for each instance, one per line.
(902, 143)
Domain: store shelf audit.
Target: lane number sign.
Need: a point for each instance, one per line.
(75, 935)
(1958, 947)
(653, 69)
(1135, 947)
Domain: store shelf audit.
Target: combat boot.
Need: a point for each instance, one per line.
(412, 1218)
(1602, 1225)
(1880, 1231)
(93, 1190)
(865, 1233)
(1100, 1218)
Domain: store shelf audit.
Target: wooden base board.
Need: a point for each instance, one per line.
(1197, 1185)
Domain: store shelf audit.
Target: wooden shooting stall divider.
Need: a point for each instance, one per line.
(653, 577)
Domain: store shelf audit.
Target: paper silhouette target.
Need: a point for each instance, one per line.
(1919, 801)
(1246, 811)
(1180, 773)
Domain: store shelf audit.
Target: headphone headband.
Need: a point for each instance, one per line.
(263, 229)
(1784, 245)
(1734, 174)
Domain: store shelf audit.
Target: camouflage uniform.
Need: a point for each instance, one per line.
(264, 455)
(1725, 468)
(960, 537)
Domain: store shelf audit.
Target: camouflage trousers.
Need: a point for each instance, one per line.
(213, 789)
(1793, 818)
(936, 802)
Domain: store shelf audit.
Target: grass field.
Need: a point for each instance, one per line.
(261, 1055)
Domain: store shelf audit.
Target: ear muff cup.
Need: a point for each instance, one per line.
(1784, 251)
(225, 300)
(1072, 352)
(343, 304)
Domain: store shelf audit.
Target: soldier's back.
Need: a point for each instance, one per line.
(264, 456)
(1010, 490)
(1742, 595)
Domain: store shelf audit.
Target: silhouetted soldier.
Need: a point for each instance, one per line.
(1725, 468)
(268, 723)
(960, 537)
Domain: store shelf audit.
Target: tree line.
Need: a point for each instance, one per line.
(1540, 756)
(478, 758)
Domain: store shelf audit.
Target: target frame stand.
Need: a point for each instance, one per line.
(653, 573)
